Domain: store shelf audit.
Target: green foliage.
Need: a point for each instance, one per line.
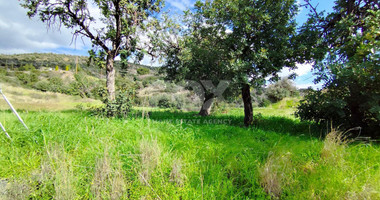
(164, 102)
(27, 67)
(281, 89)
(27, 78)
(119, 107)
(122, 26)
(351, 93)
(143, 71)
(43, 85)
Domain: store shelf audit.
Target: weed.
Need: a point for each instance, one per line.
(108, 181)
(150, 153)
(274, 174)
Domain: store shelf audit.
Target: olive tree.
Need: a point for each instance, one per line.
(198, 55)
(122, 22)
(262, 40)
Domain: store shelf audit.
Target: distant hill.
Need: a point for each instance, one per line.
(51, 60)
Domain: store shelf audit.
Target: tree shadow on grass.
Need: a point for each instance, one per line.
(276, 124)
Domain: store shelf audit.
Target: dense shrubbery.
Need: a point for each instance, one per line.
(143, 71)
(27, 67)
(340, 108)
(27, 78)
(119, 107)
(350, 70)
(281, 89)
(177, 101)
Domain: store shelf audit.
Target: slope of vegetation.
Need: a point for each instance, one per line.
(176, 155)
(33, 100)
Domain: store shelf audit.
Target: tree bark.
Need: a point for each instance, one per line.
(110, 73)
(248, 111)
(207, 105)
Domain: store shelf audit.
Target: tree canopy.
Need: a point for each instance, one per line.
(122, 21)
(350, 68)
(261, 40)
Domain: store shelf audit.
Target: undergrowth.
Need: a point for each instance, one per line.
(173, 155)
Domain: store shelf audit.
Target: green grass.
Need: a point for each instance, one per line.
(178, 155)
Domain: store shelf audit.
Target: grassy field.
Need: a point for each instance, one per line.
(34, 100)
(177, 155)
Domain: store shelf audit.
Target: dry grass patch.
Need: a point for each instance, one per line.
(150, 153)
(274, 175)
(333, 147)
(29, 99)
(176, 174)
(109, 180)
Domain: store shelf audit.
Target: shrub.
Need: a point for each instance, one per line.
(162, 101)
(42, 86)
(281, 89)
(336, 106)
(171, 88)
(27, 78)
(56, 84)
(27, 67)
(119, 107)
(143, 71)
(82, 85)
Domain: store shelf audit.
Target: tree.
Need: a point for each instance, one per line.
(350, 68)
(198, 56)
(262, 40)
(122, 20)
(281, 89)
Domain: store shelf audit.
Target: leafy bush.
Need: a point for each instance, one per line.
(57, 85)
(161, 100)
(149, 80)
(83, 86)
(165, 102)
(27, 67)
(119, 107)
(171, 88)
(42, 86)
(342, 109)
(143, 71)
(27, 78)
(281, 89)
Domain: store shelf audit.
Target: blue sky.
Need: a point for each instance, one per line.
(19, 34)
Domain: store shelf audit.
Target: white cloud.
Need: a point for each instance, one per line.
(307, 85)
(19, 34)
(301, 70)
(181, 5)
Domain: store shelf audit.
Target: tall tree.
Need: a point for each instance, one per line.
(349, 68)
(197, 55)
(122, 20)
(262, 39)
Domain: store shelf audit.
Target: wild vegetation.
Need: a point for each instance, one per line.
(162, 154)
(136, 132)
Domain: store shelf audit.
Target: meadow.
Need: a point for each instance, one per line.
(167, 154)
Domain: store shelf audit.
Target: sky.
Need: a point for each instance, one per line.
(20, 34)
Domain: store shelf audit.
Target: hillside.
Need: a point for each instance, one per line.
(58, 74)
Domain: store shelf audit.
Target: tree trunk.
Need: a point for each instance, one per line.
(207, 105)
(354, 102)
(110, 74)
(248, 111)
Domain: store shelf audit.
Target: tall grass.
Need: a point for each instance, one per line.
(73, 155)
